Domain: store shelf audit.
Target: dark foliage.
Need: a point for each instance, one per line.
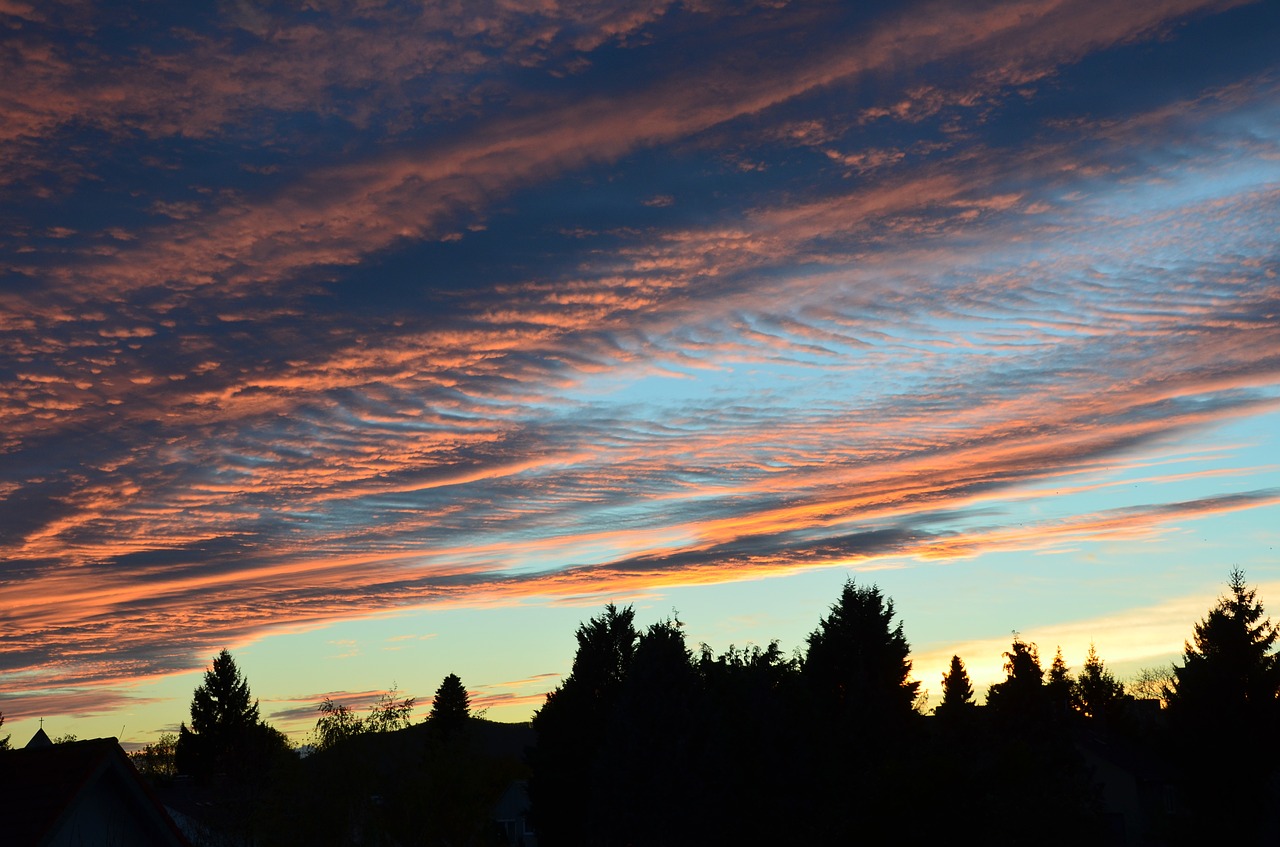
(857, 665)
(957, 692)
(647, 743)
(230, 748)
(451, 708)
(571, 785)
(225, 731)
(1098, 694)
(1060, 688)
(1224, 718)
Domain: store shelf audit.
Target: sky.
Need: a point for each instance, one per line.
(376, 341)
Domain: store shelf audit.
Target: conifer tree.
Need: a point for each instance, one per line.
(1224, 716)
(1230, 666)
(564, 787)
(957, 690)
(1060, 688)
(224, 721)
(1097, 690)
(858, 659)
(1021, 695)
(451, 708)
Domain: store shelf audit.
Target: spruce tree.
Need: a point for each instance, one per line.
(451, 708)
(1098, 692)
(1223, 713)
(224, 722)
(858, 660)
(566, 788)
(957, 690)
(1021, 696)
(1060, 689)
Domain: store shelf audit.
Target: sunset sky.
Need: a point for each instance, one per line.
(378, 341)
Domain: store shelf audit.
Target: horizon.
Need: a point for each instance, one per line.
(379, 344)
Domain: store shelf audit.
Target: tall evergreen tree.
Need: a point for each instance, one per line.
(1060, 688)
(1224, 715)
(224, 721)
(1098, 692)
(1230, 668)
(1021, 696)
(228, 739)
(858, 659)
(857, 673)
(957, 691)
(451, 708)
(569, 772)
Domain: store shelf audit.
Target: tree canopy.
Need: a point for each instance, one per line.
(957, 690)
(226, 733)
(451, 708)
(858, 658)
(1021, 695)
(1224, 712)
(1229, 664)
(1098, 692)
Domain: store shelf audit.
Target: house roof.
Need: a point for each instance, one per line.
(41, 785)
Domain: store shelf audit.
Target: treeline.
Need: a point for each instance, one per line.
(648, 741)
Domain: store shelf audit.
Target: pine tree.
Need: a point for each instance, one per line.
(1098, 692)
(1060, 689)
(565, 787)
(1230, 667)
(1223, 714)
(858, 659)
(224, 722)
(451, 708)
(957, 691)
(1021, 696)
(221, 705)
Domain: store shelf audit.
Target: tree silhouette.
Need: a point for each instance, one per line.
(391, 713)
(1098, 692)
(857, 675)
(1060, 688)
(858, 660)
(229, 741)
(1021, 696)
(156, 760)
(223, 720)
(336, 724)
(1230, 665)
(749, 729)
(568, 786)
(656, 730)
(4, 742)
(957, 691)
(1224, 715)
(451, 708)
